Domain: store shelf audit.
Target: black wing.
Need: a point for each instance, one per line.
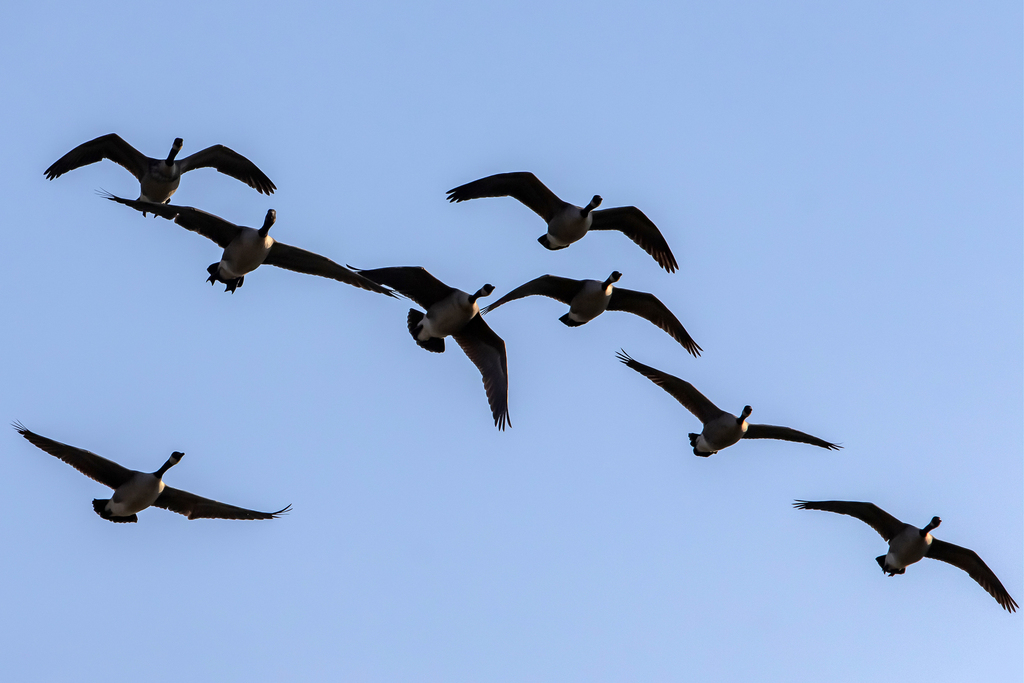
(206, 224)
(560, 288)
(632, 222)
(786, 434)
(104, 147)
(649, 307)
(487, 351)
(229, 162)
(411, 281)
(522, 185)
(100, 469)
(302, 261)
(195, 507)
(683, 391)
(969, 561)
(869, 513)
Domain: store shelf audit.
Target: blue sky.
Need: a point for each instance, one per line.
(842, 187)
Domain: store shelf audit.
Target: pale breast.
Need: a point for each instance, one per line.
(245, 253)
(136, 494)
(590, 302)
(568, 226)
(722, 432)
(449, 315)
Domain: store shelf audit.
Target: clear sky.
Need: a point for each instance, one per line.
(841, 183)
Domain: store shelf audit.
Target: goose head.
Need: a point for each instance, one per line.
(614, 277)
(594, 203)
(175, 148)
(483, 291)
(175, 458)
(747, 410)
(931, 525)
(267, 222)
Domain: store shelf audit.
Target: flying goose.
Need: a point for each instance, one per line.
(568, 223)
(908, 544)
(588, 299)
(160, 177)
(721, 429)
(245, 249)
(452, 312)
(136, 491)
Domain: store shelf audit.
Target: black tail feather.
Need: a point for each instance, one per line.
(100, 506)
(543, 239)
(435, 344)
(569, 321)
(890, 571)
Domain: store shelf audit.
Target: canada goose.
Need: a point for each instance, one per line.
(245, 249)
(721, 429)
(588, 299)
(136, 491)
(908, 544)
(568, 223)
(453, 312)
(160, 177)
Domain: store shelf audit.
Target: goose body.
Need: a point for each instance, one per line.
(568, 223)
(908, 545)
(136, 494)
(246, 252)
(721, 429)
(452, 312)
(159, 178)
(246, 249)
(591, 301)
(448, 316)
(588, 299)
(135, 491)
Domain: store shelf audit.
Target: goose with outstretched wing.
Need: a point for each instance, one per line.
(908, 544)
(135, 491)
(721, 429)
(246, 249)
(159, 178)
(568, 223)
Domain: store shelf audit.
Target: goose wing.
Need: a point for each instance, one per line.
(229, 162)
(786, 434)
(561, 288)
(521, 185)
(681, 390)
(302, 261)
(411, 281)
(649, 307)
(869, 513)
(111, 147)
(206, 224)
(632, 222)
(195, 507)
(969, 561)
(100, 469)
(487, 351)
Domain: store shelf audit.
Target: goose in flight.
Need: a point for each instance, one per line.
(136, 491)
(721, 429)
(452, 312)
(159, 178)
(568, 223)
(245, 249)
(588, 299)
(908, 544)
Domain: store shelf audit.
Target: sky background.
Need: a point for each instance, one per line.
(841, 184)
